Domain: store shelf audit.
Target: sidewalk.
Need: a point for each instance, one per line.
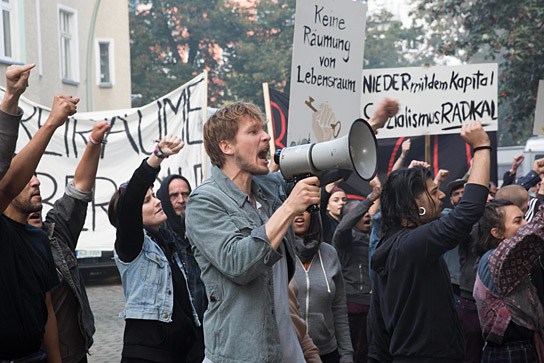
(107, 301)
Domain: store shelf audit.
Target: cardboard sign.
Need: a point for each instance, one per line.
(326, 69)
(433, 100)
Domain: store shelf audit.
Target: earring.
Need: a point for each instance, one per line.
(422, 211)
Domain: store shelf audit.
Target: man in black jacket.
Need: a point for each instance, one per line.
(173, 194)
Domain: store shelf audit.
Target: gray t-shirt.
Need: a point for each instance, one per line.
(292, 352)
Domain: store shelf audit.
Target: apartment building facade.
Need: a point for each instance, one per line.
(80, 48)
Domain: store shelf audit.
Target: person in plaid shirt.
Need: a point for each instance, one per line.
(510, 313)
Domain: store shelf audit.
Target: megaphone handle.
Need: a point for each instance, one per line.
(296, 178)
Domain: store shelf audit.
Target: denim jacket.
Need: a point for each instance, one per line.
(147, 284)
(236, 261)
(63, 225)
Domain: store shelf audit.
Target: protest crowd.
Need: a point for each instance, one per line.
(240, 269)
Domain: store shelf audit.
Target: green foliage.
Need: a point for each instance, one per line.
(388, 44)
(177, 39)
(264, 55)
(511, 33)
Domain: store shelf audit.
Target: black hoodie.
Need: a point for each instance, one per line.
(413, 316)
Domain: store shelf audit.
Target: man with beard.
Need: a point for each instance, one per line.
(173, 194)
(240, 223)
(63, 225)
(27, 269)
(351, 241)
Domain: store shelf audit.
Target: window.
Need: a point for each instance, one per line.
(105, 66)
(69, 64)
(5, 28)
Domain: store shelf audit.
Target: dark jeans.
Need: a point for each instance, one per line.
(468, 315)
(359, 340)
(332, 357)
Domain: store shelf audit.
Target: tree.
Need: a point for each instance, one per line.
(388, 44)
(173, 40)
(264, 55)
(502, 30)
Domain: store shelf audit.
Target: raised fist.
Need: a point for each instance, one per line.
(170, 145)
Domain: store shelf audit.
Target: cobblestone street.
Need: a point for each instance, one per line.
(107, 301)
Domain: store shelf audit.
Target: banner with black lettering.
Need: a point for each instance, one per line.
(131, 139)
(433, 100)
(448, 152)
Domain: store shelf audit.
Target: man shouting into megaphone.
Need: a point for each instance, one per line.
(240, 223)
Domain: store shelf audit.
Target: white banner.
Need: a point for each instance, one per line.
(538, 129)
(129, 141)
(326, 69)
(433, 100)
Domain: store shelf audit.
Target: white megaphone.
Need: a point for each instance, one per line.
(356, 151)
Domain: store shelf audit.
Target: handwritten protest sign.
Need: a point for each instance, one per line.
(539, 111)
(433, 100)
(326, 69)
(130, 140)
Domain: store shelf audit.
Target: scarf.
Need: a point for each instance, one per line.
(307, 246)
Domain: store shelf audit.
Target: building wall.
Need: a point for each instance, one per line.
(112, 23)
(36, 34)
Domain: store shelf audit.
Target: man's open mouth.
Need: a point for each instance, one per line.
(263, 154)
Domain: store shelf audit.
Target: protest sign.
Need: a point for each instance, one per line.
(433, 100)
(129, 141)
(449, 151)
(538, 128)
(326, 69)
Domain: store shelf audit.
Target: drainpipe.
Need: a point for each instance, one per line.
(90, 57)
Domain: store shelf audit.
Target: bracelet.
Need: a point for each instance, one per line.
(481, 148)
(94, 142)
(158, 153)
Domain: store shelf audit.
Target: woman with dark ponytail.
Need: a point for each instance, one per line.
(511, 315)
(160, 320)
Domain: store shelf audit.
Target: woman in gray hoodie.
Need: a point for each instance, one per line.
(322, 296)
